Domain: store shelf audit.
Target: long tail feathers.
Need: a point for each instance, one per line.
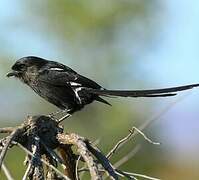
(102, 100)
(142, 93)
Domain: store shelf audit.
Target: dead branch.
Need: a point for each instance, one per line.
(6, 130)
(45, 162)
(6, 143)
(78, 141)
(119, 143)
(7, 172)
(127, 138)
(43, 140)
(69, 159)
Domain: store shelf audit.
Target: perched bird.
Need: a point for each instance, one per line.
(68, 90)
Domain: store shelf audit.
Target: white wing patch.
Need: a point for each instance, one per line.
(76, 90)
(75, 84)
(56, 69)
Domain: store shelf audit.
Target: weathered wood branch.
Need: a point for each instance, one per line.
(47, 146)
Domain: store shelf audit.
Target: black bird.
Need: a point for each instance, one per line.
(68, 90)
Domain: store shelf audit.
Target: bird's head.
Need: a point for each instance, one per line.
(25, 65)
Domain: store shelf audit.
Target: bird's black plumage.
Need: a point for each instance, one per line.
(65, 88)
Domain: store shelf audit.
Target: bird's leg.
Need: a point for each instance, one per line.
(67, 111)
(64, 117)
(67, 115)
(53, 114)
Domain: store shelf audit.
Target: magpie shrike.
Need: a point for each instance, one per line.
(68, 90)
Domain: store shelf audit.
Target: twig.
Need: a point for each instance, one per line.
(122, 174)
(76, 168)
(83, 151)
(6, 146)
(63, 118)
(7, 130)
(27, 171)
(127, 157)
(134, 175)
(128, 137)
(119, 143)
(144, 136)
(6, 172)
(45, 162)
(141, 175)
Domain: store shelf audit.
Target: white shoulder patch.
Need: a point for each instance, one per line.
(56, 69)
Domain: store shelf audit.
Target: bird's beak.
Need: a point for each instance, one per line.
(12, 73)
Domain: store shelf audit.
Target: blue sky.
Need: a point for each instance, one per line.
(174, 62)
(178, 52)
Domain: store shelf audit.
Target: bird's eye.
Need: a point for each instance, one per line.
(21, 66)
(18, 67)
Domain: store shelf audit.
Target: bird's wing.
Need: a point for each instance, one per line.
(61, 75)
